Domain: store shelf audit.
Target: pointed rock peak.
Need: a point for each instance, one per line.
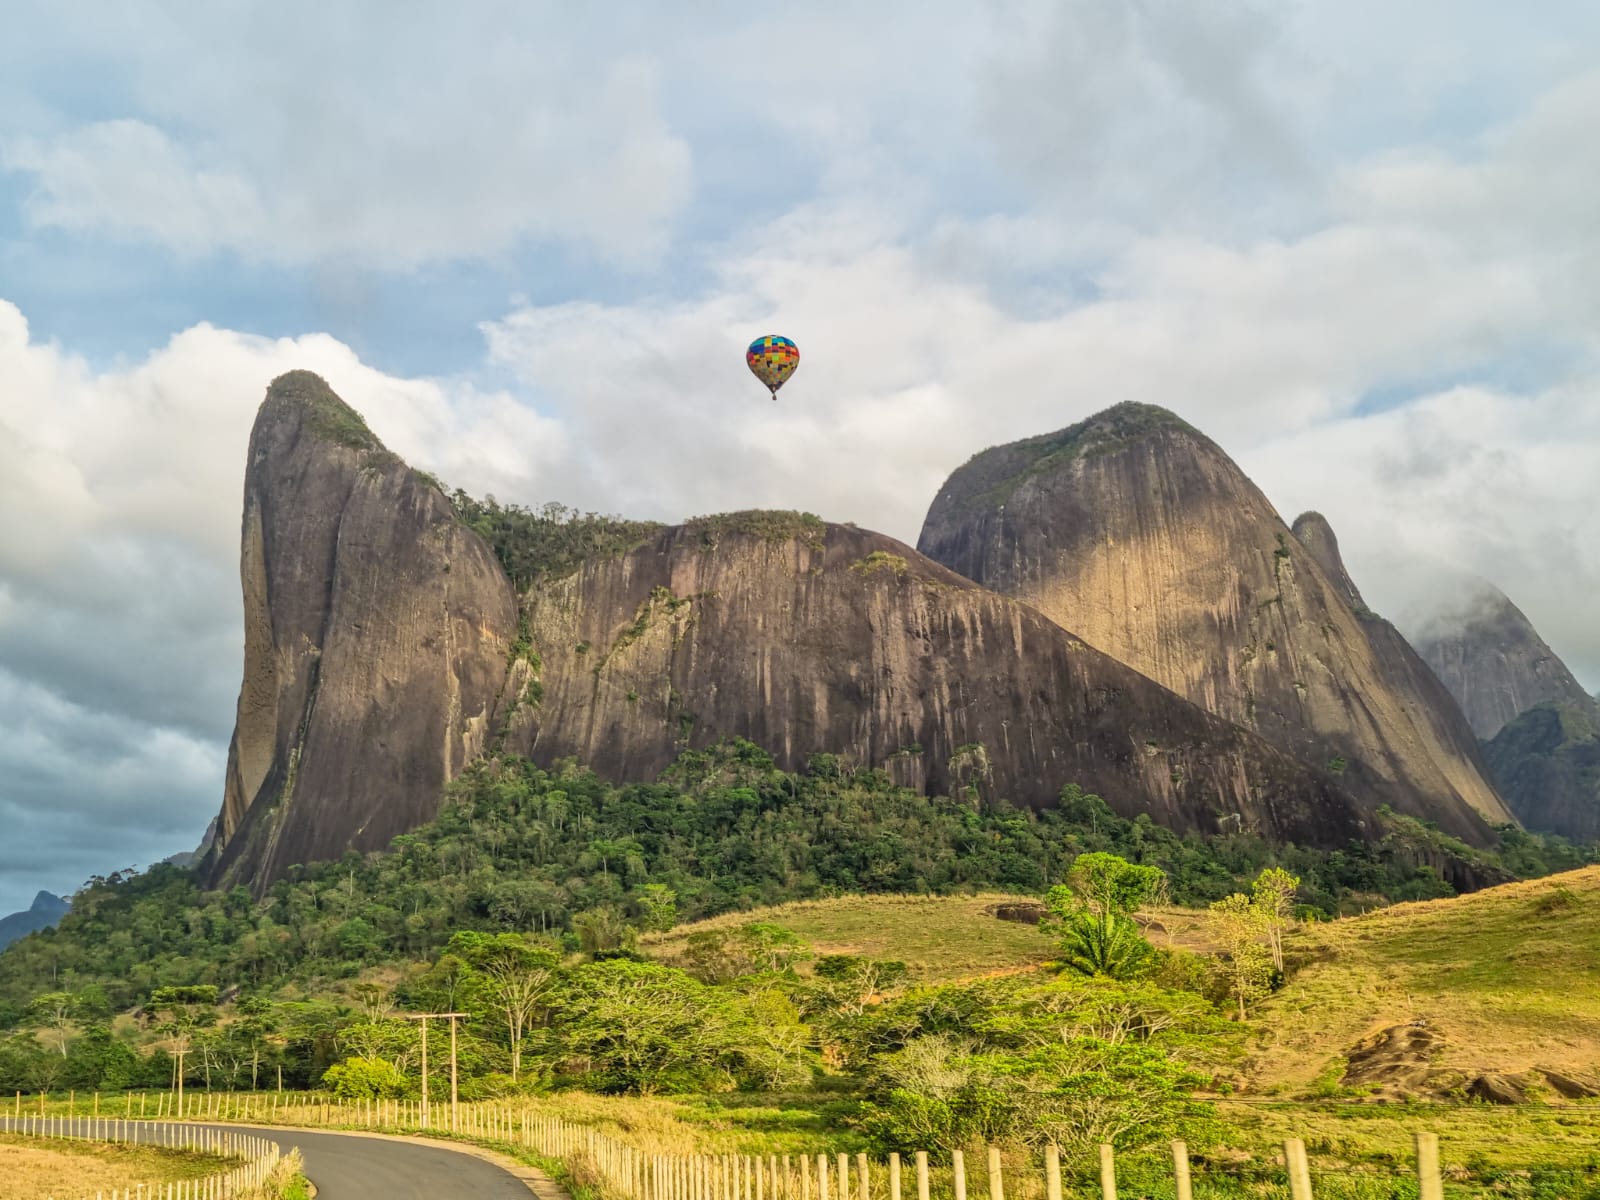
(1311, 530)
(306, 396)
(48, 902)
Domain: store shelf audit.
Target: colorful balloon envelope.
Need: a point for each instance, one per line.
(772, 359)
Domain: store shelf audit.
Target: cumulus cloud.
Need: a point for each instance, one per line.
(343, 133)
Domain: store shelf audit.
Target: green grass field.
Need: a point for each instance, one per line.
(939, 937)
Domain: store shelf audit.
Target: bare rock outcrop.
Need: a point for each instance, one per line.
(1420, 691)
(377, 629)
(1141, 536)
(807, 637)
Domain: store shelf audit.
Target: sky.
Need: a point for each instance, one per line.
(1355, 242)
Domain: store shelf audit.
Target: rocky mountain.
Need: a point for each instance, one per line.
(1548, 763)
(45, 911)
(386, 646)
(385, 649)
(376, 633)
(803, 636)
(1141, 536)
(1493, 660)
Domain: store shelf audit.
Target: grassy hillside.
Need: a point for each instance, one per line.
(939, 938)
(1507, 981)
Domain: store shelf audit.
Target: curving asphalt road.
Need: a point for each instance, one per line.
(361, 1167)
(357, 1167)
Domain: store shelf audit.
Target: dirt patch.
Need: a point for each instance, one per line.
(1403, 1062)
(1400, 1061)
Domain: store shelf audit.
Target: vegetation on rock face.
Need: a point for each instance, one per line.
(989, 477)
(1547, 763)
(770, 525)
(550, 543)
(327, 416)
(880, 560)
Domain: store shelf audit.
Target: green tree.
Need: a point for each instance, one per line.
(658, 907)
(364, 1079)
(519, 980)
(1235, 924)
(55, 1011)
(186, 1009)
(603, 929)
(647, 1028)
(1092, 915)
(1273, 895)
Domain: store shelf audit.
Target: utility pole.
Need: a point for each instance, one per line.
(452, 1017)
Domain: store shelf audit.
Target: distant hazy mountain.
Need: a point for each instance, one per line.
(44, 913)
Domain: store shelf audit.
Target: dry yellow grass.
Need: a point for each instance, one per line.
(1508, 979)
(31, 1169)
(938, 937)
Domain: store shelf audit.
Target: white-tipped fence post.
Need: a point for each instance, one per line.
(1294, 1155)
(1108, 1172)
(1180, 1170)
(1430, 1184)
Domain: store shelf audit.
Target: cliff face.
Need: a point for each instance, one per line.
(1141, 536)
(1431, 707)
(820, 637)
(1493, 660)
(377, 629)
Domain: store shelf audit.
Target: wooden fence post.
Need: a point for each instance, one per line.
(864, 1192)
(1180, 1170)
(894, 1176)
(958, 1173)
(922, 1175)
(1108, 1172)
(1052, 1172)
(1430, 1185)
(997, 1188)
(1294, 1155)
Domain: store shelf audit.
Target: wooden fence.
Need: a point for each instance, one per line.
(623, 1170)
(251, 1175)
(627, 1171)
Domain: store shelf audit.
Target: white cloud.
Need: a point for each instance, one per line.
(345, 134)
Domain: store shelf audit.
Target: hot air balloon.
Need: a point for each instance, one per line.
(772, 359)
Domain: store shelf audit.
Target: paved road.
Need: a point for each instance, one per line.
(352, 1167)
(348, 1167)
